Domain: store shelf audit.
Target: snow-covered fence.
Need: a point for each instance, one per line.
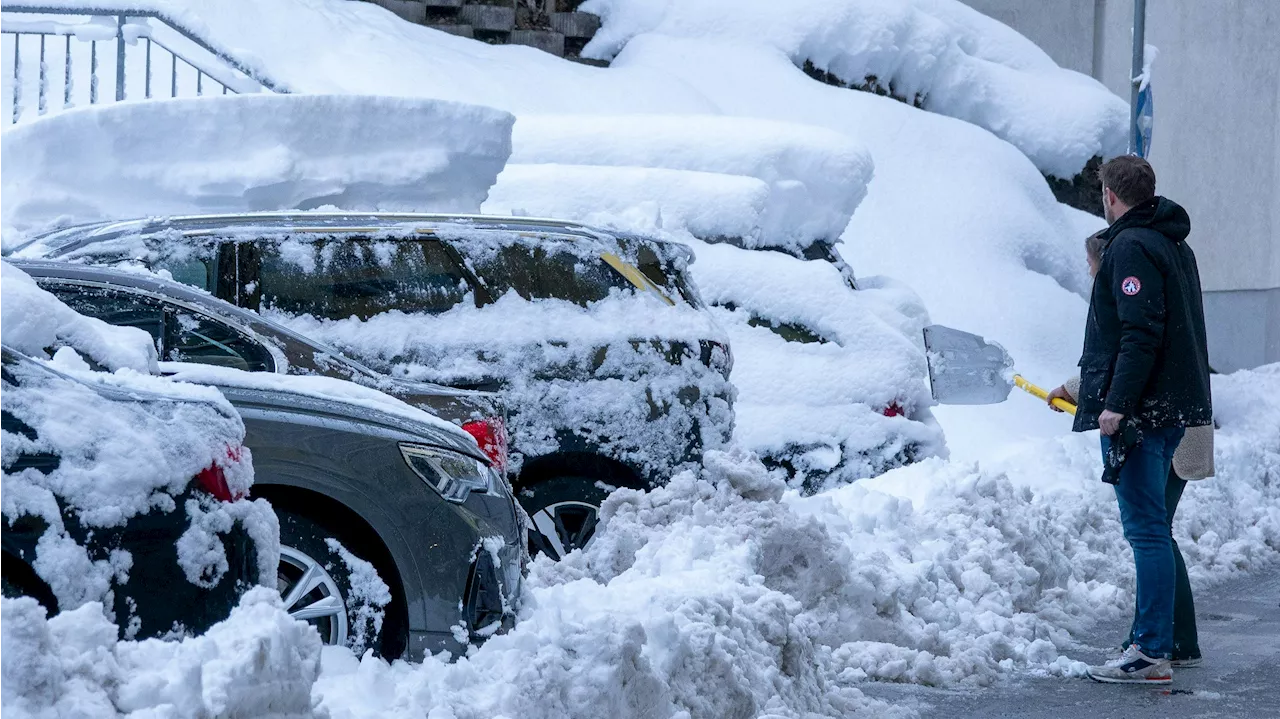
(57, 56)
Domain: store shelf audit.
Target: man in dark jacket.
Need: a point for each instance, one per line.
(1144, 374)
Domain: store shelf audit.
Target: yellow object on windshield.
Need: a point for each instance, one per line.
(634, 275)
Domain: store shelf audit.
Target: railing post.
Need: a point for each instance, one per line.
(17, 78)
(120, 57)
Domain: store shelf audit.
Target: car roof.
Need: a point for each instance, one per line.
(109, 391)
(65, 240)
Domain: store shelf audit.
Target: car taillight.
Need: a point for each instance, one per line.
(894, 410)
(213, 479)
(491, 435)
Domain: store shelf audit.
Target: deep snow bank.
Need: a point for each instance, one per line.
(241, 153)
(957, 61)
(959, 215)
(259, 662)
(723, 595)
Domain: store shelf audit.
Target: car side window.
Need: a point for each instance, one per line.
(203, 340)
(536, 272)
(195, 265)
(339, 278)
(180, 335)
(115, 308)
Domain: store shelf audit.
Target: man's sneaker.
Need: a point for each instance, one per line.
(1134, 668)
(1188, 663)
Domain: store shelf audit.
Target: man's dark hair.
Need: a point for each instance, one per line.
(1130, 177)
(1095, 245)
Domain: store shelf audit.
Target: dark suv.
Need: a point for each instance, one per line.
(613, 372)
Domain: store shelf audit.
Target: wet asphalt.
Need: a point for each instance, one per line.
(1239, 626)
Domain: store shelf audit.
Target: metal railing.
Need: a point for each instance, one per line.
(51, 51)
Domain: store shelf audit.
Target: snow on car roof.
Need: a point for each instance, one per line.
(68, 239)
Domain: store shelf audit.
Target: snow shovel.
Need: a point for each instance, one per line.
(966, 369)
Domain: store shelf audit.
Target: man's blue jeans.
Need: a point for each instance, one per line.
(1141, 495)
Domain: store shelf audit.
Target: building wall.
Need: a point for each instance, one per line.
(1062, 28)
(1215, 142)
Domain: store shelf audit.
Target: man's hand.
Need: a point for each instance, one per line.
(1059, 393)
(1109, 422)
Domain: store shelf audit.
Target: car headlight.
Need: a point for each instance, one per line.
(455, 476)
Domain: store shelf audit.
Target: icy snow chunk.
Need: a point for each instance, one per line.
(242, 153)
(815, 178)
(957, 61)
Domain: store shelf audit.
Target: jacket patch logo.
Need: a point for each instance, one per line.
(1131, 286)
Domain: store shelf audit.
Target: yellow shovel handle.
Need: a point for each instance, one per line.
(1061, 404)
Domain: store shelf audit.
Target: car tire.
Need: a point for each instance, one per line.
(562, 514)
(326, 601)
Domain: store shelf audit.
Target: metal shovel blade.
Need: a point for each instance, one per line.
(966, 369)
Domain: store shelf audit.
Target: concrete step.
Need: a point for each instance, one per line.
(459, 30)
(411, 10)
(545, 40)
(575, 24)
(488, 18)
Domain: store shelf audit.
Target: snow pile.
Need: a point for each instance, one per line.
(722, 594)
(35, 322)
(807, 181)
(270, 152)
(258, 662)
(955, 212)
(948, 57)
(817, 363)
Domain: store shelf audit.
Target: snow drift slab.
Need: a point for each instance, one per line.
(707, 205)
(815, 177)
(251, 153)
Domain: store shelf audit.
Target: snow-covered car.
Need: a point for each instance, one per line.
(188, 325)
(129, 493)
(830, 374)
(613, 372)
(396, 532)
